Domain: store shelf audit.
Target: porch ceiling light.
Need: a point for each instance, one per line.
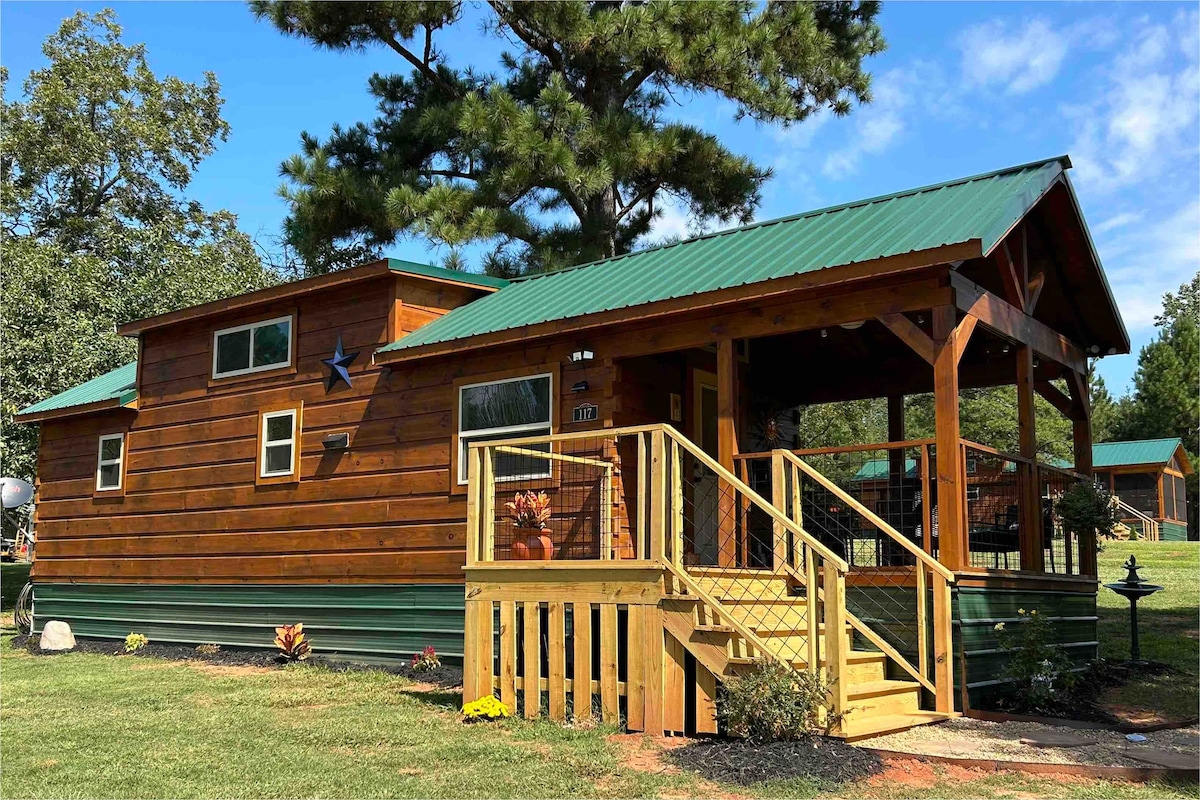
(853, 326)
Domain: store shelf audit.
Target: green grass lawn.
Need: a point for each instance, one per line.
(84, 725)
(1169, 623)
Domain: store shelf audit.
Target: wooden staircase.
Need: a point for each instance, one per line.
(739, 617)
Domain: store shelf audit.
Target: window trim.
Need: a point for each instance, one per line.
(101, 461)
(290, 319)
(459, 477)
(261, 476)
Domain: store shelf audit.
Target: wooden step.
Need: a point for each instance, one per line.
(882, 698)
(861, 666)
(856, 730)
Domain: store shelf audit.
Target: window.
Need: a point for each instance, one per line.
(252, 348)
(109, 459)
(506, 409)
(1180, 497)
(277, 455)
(972, 466)
(973, 492)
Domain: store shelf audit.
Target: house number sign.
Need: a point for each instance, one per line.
(588, 412)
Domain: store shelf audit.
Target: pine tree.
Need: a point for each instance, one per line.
(564, 154)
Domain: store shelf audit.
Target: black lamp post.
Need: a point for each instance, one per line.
(1133, 588)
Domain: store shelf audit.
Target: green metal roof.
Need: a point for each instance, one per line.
(116, 385)
(981, 207)
(1141, 451)
(878, 469)
(413, 268)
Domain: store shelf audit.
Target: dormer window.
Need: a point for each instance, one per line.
(256, 347)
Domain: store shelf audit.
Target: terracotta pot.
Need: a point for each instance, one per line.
(537, 546)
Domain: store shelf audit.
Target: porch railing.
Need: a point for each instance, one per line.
(647, 497)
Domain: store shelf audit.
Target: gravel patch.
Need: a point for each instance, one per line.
(827, 761)
(446, 677)
(962, 737)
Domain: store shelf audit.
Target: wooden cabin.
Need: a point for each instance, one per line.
(234, 479)
(1147, 478)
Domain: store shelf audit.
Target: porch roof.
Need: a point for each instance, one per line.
(110, 390)
(979, 209)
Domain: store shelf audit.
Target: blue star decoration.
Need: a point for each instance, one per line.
(337, 366)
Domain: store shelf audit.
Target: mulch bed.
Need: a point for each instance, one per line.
(444, 676)
(1083, 703)
(741, 762)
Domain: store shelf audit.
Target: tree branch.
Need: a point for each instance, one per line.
(532, 39)
(641, 198)
(386, 37)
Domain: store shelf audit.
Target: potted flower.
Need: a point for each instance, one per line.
(530, 511)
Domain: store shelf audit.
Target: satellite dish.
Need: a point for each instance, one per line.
(15, 492)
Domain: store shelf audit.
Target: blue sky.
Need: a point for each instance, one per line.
(963, 88)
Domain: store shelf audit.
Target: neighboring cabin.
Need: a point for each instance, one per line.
(231, 480)
(1148, 476)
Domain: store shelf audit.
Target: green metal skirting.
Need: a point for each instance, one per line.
(977, 611)
(1173, 531)
(357, 622)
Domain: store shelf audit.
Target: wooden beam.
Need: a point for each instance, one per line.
(1029, 510)
(962, 337)
(908, 332)
(1081, 435)
(1054, 397)
(1014, 287)
(1033, 291)
(727, 447)
(951, 494)
(895, 425)
(1015, 324)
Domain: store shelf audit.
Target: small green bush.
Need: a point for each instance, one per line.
(772, 702)
(208, 649)
(135, 642)
(1039, 668)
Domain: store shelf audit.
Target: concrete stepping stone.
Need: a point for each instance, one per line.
(1164, 758)
(1058, 739)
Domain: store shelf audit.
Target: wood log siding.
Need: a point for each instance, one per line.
(384, 509)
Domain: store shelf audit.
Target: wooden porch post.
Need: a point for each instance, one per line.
(1081, 430)
(951, 494)
(1029, 499)
(896, 463)
(727, 448)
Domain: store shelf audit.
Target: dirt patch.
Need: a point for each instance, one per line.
(921, 774)
(227, 670)
(644, 753)
(829, 762)
(1001, 741)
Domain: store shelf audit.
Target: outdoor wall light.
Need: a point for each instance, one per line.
(582, 355)
(336, 441)
(582, 386)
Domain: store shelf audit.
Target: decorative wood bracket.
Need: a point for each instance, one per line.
(1064, 404)
(908, 332)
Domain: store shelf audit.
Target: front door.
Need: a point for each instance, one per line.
(705, 493)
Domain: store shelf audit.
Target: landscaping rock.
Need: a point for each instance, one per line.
(56, 635)
(1165, 758)
(1058, 739)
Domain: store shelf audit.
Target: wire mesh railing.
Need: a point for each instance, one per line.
(1060, 546)
(996, 488)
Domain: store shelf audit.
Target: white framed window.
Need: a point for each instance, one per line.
(258, 346)
(278, 437)
(972, 466)
(973, 492)
(109, 458)
(506, 409)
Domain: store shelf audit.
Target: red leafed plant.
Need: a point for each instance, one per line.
(426, 661)
(529, 510)
(291, 642)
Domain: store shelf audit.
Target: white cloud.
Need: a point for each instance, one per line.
(673, 222)
(1144, 118)
(1144, 262)
(1117, 221)
(878, 125)
(1019, 60)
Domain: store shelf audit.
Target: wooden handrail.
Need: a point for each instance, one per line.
(775, 514)
(549, 456)
(871, 516)
(851, 448)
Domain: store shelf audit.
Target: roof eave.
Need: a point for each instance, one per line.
(127, 400)
(844, 273)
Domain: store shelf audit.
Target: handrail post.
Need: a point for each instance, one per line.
(487, 504)
(779, 500)
(813, 597)
(641, 531)
(943, 646)
(473, 493)
(676, 505)
(658, 495)
(922, 622)
(798, 515)
(835, 639)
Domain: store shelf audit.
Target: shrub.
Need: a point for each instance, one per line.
(1087, 508)
(485, 708)
(291, 642)
(135, 642)
(773, 702)
(208, 649)
(1038, 668)
(426, 661)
